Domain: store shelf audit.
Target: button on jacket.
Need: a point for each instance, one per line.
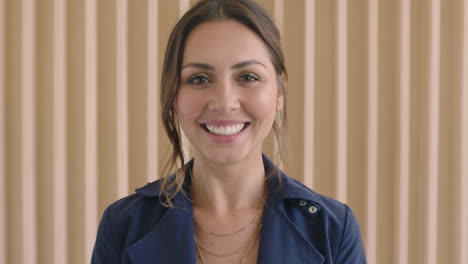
(299, 227)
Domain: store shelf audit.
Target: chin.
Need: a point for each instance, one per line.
(225, 157)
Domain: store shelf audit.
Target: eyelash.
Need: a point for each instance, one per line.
(252, 77)
(195, 79)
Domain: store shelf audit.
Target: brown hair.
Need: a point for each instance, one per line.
(248, 13)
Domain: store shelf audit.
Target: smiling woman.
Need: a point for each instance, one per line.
(228, 94)
(224, 85)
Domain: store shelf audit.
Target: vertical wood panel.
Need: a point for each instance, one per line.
(91, 201)
(278, 14)
(294, 51)
(138, 93)
(167, 18)
(419, 42)
(449, 129)
(76, 207)
(342, 102)
(28, 130)
(402, 193)
(372, 132)
(107, 103)
(433, 143)
(325, 110)
(152, 88)
(60, 149)
(358, 63)
(45, 130)
(3, 187)
(13, 89)
(184, 5)
(121, 24)
(309, 82)
(387, 162)
(463, 174)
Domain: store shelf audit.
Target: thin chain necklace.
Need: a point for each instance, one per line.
(199, 247)
(247, 243)
(227, 234)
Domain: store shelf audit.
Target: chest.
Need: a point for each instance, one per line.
(231, 239)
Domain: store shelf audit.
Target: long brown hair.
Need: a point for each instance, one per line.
(256, 19)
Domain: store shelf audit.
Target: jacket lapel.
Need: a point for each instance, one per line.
(281, 242)
(170, 242)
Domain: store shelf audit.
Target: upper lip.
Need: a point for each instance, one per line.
(222, 122)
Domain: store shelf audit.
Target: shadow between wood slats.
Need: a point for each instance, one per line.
(357, 105)
(167, 18)
(13, 131)
(387, 127)
(294, 52)
(107, 105)
(122, 111)
(75, 132)
(418, 135)
(137, 93)
(325, 105)
(3, 187)
(28, 131)
(451, 37)
(45, 133)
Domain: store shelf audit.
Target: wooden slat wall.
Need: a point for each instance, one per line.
(378, 118)
(90, 131)
(3, 203)
(402, 190)
(370, 234)
(463, 172)
(59, 133)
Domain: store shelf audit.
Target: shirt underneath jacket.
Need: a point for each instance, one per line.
(299, 226)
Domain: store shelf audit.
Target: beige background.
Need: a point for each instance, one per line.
(378, 118)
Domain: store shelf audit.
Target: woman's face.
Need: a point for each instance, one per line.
(228, 92)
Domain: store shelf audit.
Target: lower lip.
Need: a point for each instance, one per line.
(222, 139)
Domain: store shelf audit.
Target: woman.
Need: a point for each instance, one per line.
(224, 85)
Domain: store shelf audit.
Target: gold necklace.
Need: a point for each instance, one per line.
(198, 247)
(227, 234)
(247, 243)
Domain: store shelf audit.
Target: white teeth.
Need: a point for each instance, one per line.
(225, 130)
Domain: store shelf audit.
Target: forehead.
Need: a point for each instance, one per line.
(224, 41)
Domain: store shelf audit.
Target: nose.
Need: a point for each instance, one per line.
(224, 97)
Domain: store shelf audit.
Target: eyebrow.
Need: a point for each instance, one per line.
(206, 66)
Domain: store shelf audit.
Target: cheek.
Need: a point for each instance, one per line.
(188, 105)
(264, 101)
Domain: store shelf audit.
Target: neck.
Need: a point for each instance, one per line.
(227, 188)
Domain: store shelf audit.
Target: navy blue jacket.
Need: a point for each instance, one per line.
(299, 227)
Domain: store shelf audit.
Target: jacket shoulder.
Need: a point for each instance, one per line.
(123, 223)
(328, 224)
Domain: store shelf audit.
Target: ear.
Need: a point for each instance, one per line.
(280, 98)
(279, 101)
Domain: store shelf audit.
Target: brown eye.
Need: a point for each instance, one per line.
(249, 78)
(198, 80)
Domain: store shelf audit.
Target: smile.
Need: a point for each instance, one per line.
(226, 130)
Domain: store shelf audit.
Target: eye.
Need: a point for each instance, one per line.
(248, 77)
(198, 79)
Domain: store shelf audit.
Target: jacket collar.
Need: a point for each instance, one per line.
(281, 186)
(171, 239)
(281, 241)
